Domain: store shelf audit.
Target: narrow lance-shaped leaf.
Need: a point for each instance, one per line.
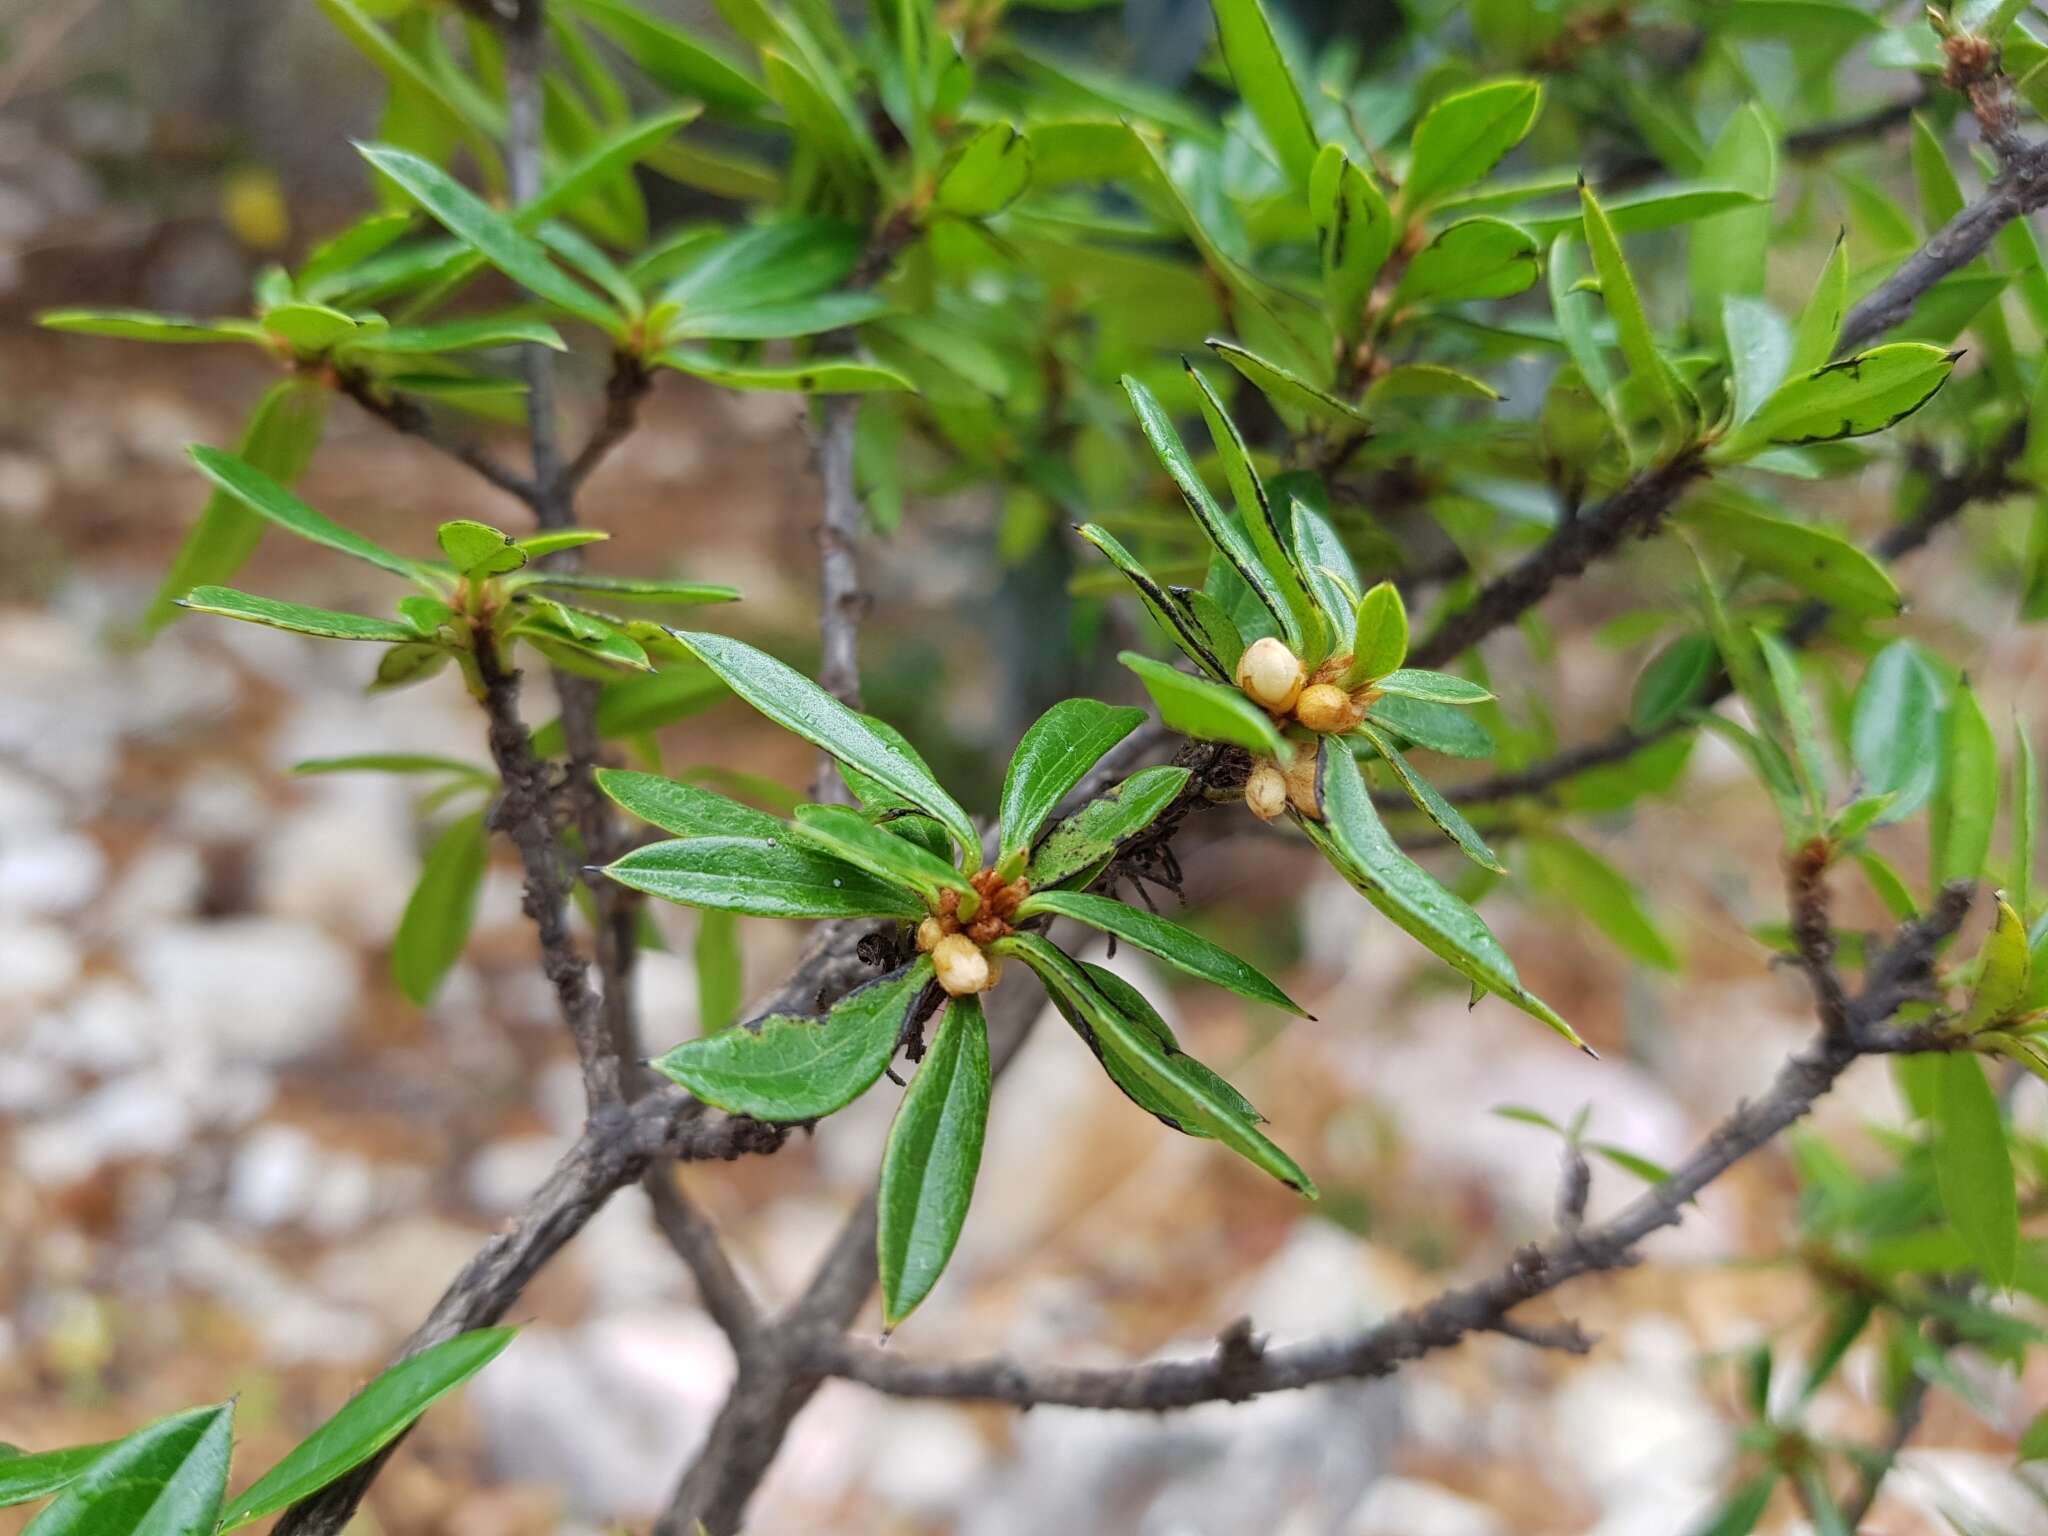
(1646, 363)
(787, 1068)
(1379, 639)
(1820, 323)
(1355, 230)
(1086, 840)
(1448, 819)
(929, 1165)
(1054, 755)
(1208, 711)
(721, 968)
(1181, 626)
(1570, 869)
(797, 704)
(685, 810)
(822, 376)
(266, 498)
(1465, 135)
(846, 834)
(1180, 947)
(1972, 1166)
(2004, 972)
(1814, 559)
(992, 171)
(1128, 1001)
(327, 623)
(1895, 728)
(1852, 398)
(1966, 799)
(38, 1474)
(1435, 687)
(168, 1479)
(368, 1422)
(762, 879)
(1287, 389)
(1266, 84)
(440, 911)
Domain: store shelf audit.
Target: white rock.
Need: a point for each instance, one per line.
(219, 804)
(55, 873)
(505, 1173)
(293, 1323)
(272, 1177)
(928, 1460)
(398, 1269)
(1406, 1506)
(31, 1085)
(253, 989)
(163, 880)
(137, 1116)
(345, 859)
(108, 1026)
(667, 986)
(37, 962)
(27, 808)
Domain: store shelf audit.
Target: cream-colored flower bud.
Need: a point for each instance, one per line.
(1265, 792)
(961, 966)
(1324, 707)
(1271, 674)
(929, 932)
(1301, 783)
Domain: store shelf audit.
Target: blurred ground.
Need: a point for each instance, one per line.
(236, 1160)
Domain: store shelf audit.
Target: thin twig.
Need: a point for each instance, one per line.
(404, 414)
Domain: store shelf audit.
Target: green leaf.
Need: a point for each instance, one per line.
(929, 1164)
(1055, 755)
(1789, 687)
(636, 588)
(1179, 947)
(1972, 1168)
(2034, 1440)
(1966, 796)
(1465, 135)
(1728, 250)
(1447, 818)
(1286, 388)
(469, 218)
(769, 322)
(1739, 1513)
(1816, 560)
(1674, 679)
(1266, 84)
(823, 376)
(141, 325)
(310, 328)
(1895, 728)
(721, 969)
(1599, 890)
(414, 85)
(1234, 542)
(1193, 1099)
(1091, 836)
(1646, 365)
(25, 1478)
(1379, 641)
(685, 810)
(797, 704)
(368, 1422)
(324, 622)
(462, 336)
(164, 1480)
(991, 171)
(264, 496)
(1434, 727)
(1476, 258)
(1325, 566)
(1217, 627)
(846, 834)
(1426, 381)
(478, 549)
(1759, 351)
(1355, 233)
(674, 58)
(1852, 398)
(1820, 323)
(438, 916)
(1304, 623)
(2004, 972)
(761, 879)
(789, 1067)
(1434, 687)
(1181, 626)
(1208, 711)
(1356, 842)
(2026, 801)
(393, 762)
(281, 435)
(1128, 1001)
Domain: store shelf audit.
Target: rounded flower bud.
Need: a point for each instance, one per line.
(1324, 707)
(1265, 792)
(1271, 674)
(961, 966)
(929, 932)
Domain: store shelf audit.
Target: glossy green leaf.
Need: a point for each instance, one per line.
(1740, 1512)
(759, 878)
(462, 336)
(1208, 711)
(28, 1476)
(1218, 629)
(1379, 641)
(2004, 972)
(415, 85)
(638, 589)
(478, 549)
(1354, 231)
(168, 1479)
(1434, 687)
(847, 834)
(1447, 818)
(1320, 558)
(368, 1422)
(790, 1067)
(797, 704)
(1128, 1001)
(1595, 887)
(437, 918)
(933, 1154)
(1426, 381)
(468, 217)
(1476, 258)
(1195, 1099)
(1286, 388)
(1788, 685)
(394, 762)
(1852, 398)
(279, 440)
(1180, 947)
(1815, 560)
(1966, 793)
(1356, 842)
(1434, 727)
(685, 810)
(823, 376)
(720, 967)
(674, 58)
(1180, 625)
(991, 171)
(1266, 84)
(1055, 755)
(309, 328)
(1084, 841)
(1820, 323)
(1465, 135)
(1646, 364)
(1759, 351)
(141, 325)
(1972, 1168)
(1895, 728)
(264, 496)
(1674, 680)
(1729, 249)
(2026, 807)
(324, 622)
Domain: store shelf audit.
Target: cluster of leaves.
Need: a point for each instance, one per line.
(170, 1478)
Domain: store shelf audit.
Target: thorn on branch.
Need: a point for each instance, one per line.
(1239, 1354)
